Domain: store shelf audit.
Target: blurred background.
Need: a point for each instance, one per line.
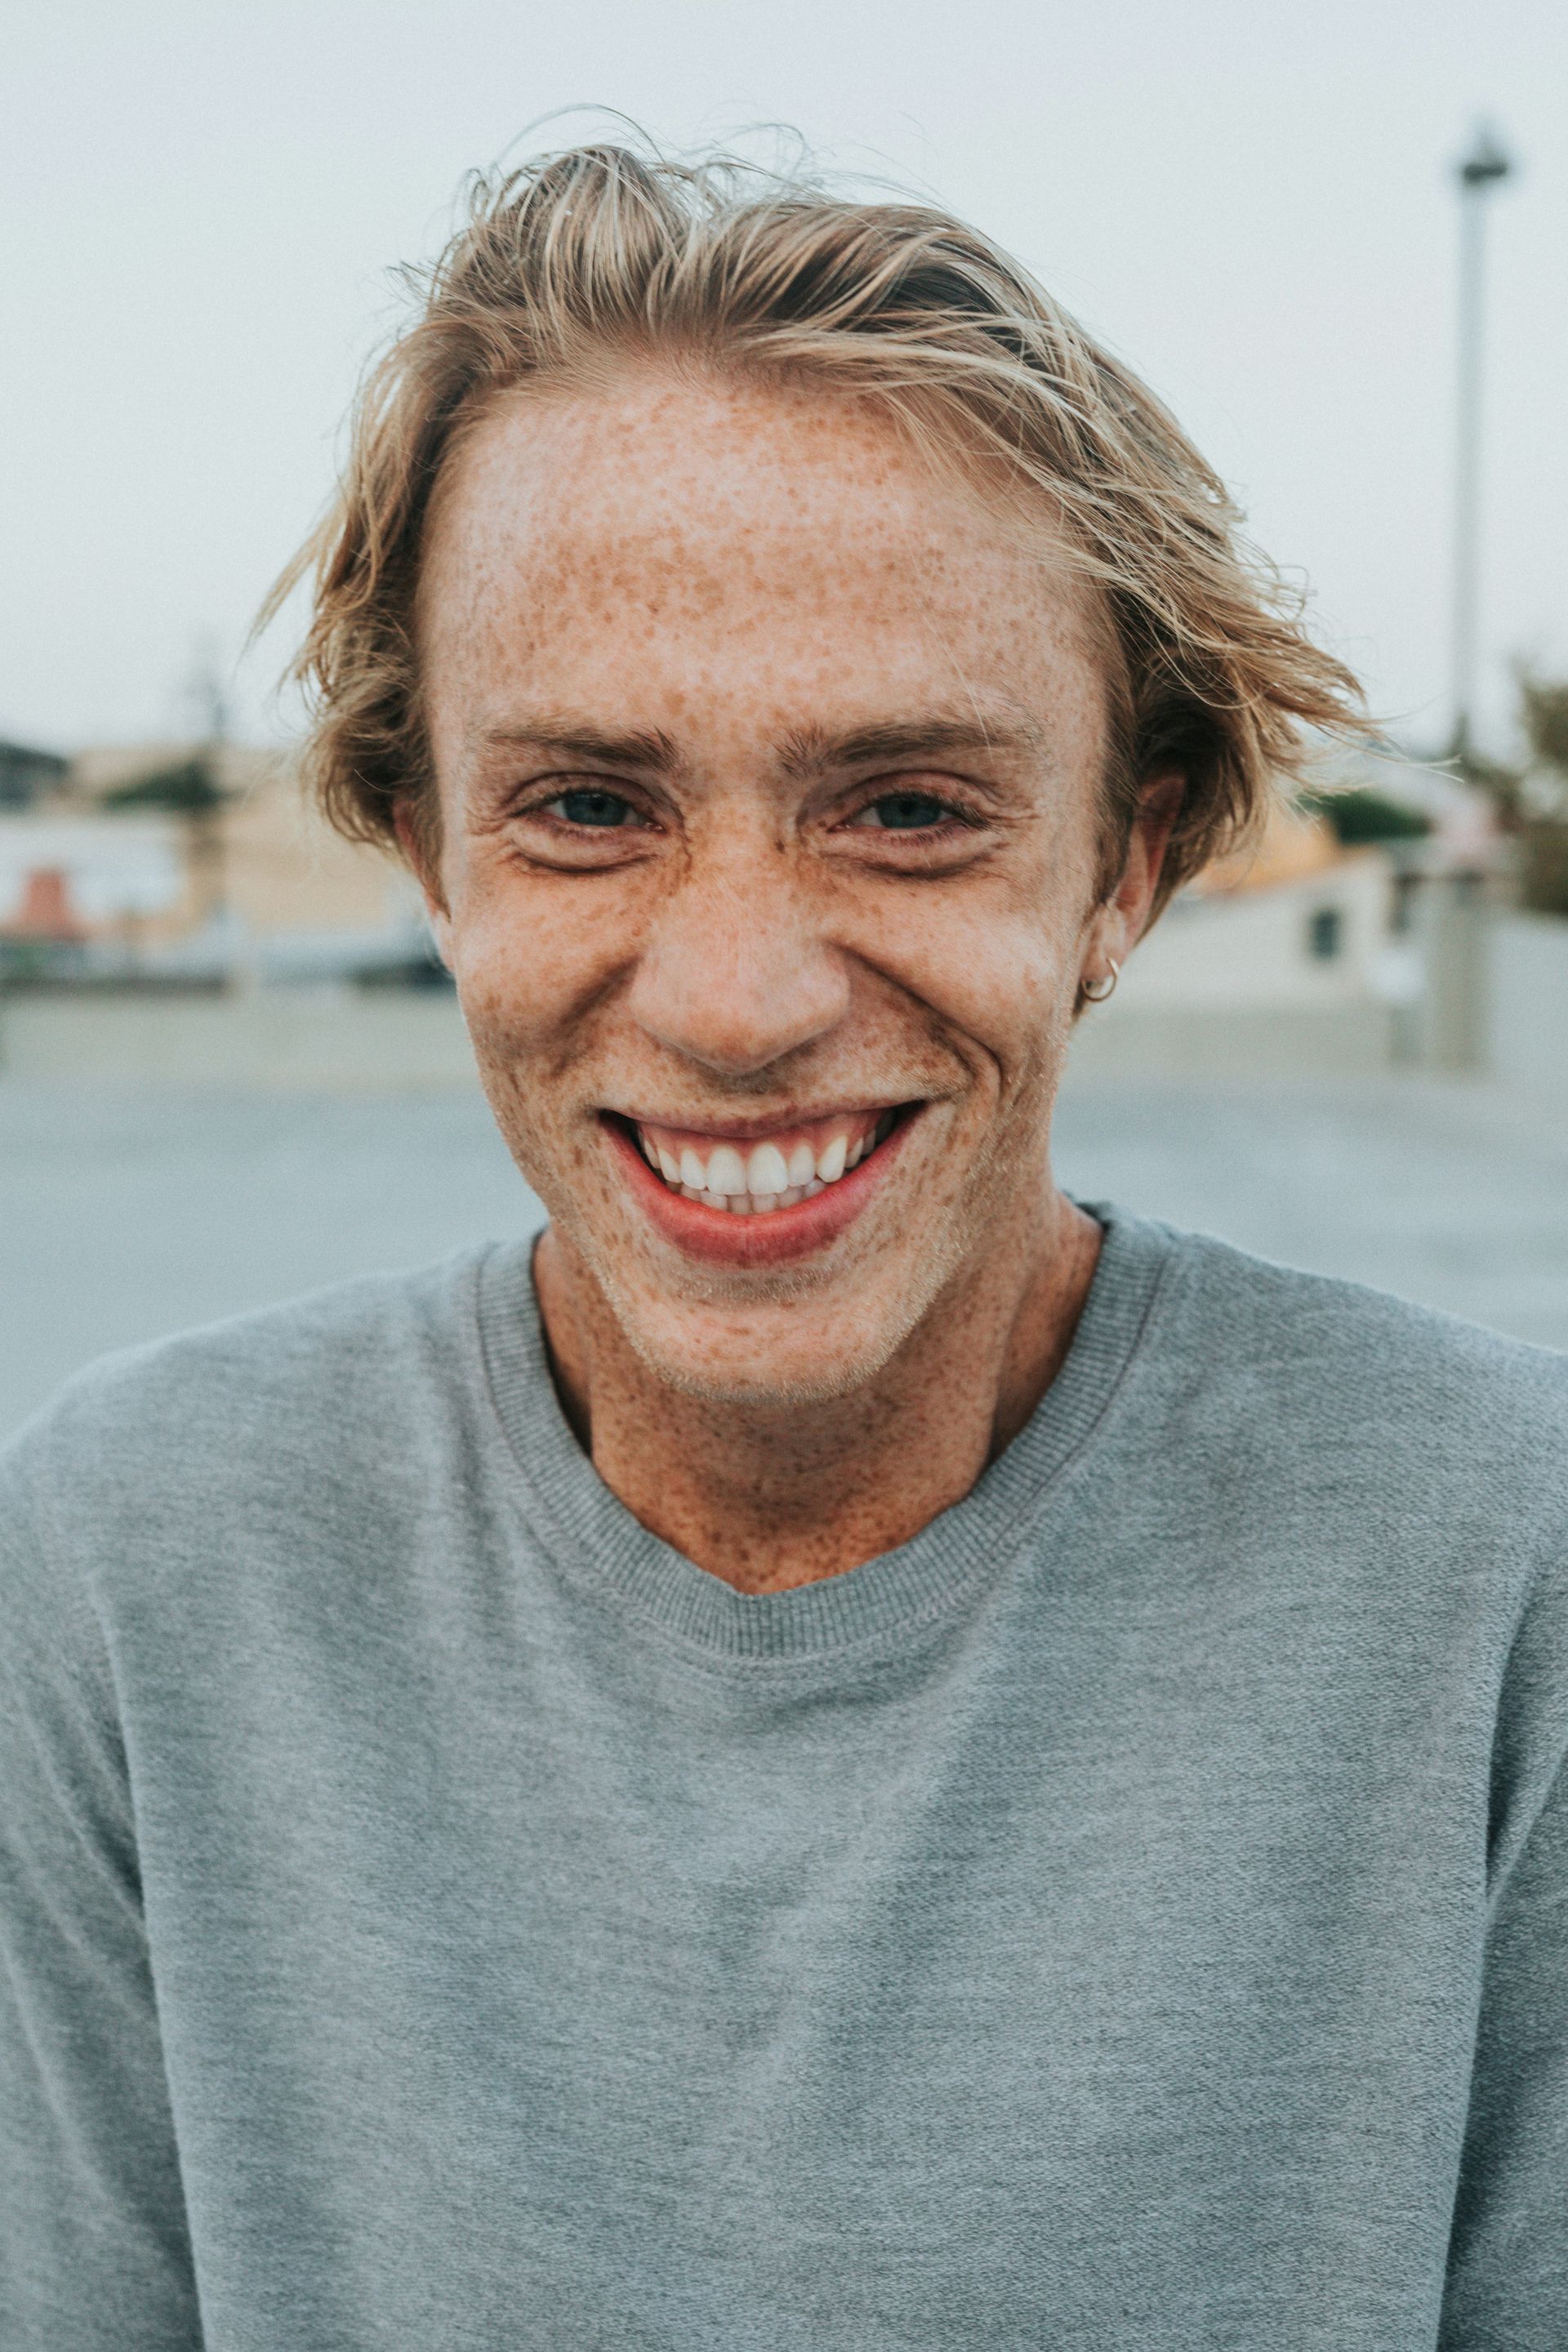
(1332, 239)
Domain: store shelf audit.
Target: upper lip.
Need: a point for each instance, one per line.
(758, 1130)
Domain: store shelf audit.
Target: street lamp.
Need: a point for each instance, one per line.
(1486, 164)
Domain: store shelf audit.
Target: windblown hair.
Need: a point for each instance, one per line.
(591, 258)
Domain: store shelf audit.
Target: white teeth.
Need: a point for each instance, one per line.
(754, 1182)
(726, 1171)
(830, 1161)
(766, 1169)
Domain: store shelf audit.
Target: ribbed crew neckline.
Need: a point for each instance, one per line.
(600, 1540)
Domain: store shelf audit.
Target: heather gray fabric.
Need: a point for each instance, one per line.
(1135, 1913)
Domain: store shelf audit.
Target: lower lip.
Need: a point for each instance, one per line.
(777, 1236)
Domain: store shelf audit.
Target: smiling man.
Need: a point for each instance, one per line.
(768, 840)
(848, 1752)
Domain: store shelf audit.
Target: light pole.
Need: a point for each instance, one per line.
(1478, 172)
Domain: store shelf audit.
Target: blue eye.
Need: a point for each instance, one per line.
(595, 808)
(907, 812)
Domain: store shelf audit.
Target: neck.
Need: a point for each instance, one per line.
(768, 1497)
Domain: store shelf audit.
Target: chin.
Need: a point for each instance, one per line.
(746, 1377)
(810, 1348)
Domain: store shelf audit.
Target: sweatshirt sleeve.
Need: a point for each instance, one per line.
(1508, 2263)
(94, 2252)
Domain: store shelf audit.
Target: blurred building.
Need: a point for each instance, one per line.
(76, 880)
(254, 887)
(1306, 923)
(1301, 953)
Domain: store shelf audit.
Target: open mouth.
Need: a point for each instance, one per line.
(760, 1175)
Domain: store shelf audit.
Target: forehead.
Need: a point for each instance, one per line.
(751, 542)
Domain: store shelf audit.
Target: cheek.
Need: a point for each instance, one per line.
(997, 965)
(531, 955)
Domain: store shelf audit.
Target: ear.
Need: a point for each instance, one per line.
(417, 852)
(1127, 908)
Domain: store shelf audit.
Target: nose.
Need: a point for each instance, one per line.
(735, 971)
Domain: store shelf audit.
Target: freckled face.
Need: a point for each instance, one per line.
(768, 782)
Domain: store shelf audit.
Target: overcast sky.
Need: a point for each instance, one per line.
(1250, 202)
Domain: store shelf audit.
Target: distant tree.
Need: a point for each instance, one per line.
(1362, 816)
(1543, 708)
(1543, 794)
(187, 789)
(1502, 784)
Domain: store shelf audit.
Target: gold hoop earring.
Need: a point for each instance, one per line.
(1097, 991)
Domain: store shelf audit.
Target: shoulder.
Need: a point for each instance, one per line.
(333, 1347)
(338, 1394)
(1395, 1480)
(1359, 1348)
(1328, 1389)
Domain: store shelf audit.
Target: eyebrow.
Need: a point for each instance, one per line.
(804, 751)
(636, 749)
(809, 751)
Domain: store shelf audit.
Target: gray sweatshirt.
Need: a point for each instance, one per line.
(1135, 1913)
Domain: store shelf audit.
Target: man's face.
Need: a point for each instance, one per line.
(768, 774)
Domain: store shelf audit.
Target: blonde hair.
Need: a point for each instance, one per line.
(600, 254)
